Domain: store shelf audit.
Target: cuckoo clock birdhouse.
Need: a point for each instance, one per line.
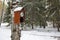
(19, 15)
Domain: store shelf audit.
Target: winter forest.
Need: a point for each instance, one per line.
(29, 19)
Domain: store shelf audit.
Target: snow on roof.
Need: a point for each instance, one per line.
(18, 8)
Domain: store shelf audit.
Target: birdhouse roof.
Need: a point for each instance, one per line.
(18, 9)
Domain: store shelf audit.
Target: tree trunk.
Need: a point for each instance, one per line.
(0, 21)
(22, 25)
(15, 33)
(57, 26)
(44, 26)
(40, 24)
(58, 29)
(2, 13)
(15, 30)
(32, 26)
(53, 24)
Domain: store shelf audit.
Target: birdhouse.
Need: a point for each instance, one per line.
(19, 15)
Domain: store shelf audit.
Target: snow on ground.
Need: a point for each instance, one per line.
(30, 35)
(5, 34)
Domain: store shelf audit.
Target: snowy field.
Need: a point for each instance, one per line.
(5, 33)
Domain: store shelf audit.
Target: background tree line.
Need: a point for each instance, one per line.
(39, 11)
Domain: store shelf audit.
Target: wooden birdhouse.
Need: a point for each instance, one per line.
(19, 15)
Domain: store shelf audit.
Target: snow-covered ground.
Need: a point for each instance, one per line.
(5, 34)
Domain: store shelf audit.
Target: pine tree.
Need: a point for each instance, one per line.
(7, 14)
(35, 12)
(54, 13)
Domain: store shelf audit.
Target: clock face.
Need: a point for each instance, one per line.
(21, 14)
